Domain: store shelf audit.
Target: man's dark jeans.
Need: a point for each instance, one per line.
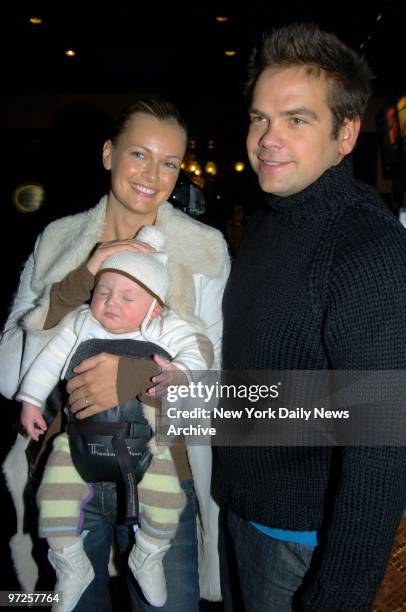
(258, 573)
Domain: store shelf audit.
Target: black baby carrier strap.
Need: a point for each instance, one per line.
(112, 445)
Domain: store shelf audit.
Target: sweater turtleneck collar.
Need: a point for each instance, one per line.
(317, 198)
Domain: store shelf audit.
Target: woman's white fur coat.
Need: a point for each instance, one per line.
(198, 264)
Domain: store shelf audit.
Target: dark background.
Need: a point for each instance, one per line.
(56, 111)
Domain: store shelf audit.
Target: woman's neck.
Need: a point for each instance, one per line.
(123, 224)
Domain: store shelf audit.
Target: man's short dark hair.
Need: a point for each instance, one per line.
(305, 44)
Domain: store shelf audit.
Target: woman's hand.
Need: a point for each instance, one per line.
(32, 421)
(106, 249)
(94, 388)
(170, 375)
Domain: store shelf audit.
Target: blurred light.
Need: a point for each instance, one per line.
(211, 168)
(36, 20)
(70, 53)
(379, 17)
(211, 144)
(229, 53)
(183, 165)
(28, 197)
(198, 172)
(239, 166)
(221, 18)
(197, 180)
(192, 167)
(218, 197)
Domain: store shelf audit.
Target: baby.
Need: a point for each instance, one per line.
(128, 303)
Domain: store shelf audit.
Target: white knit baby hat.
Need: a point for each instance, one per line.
(148, 269)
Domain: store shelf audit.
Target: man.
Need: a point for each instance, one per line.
(318, 284)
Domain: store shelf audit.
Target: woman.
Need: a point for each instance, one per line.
(144, 157)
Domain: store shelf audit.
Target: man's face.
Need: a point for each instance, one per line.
(290, 143)
(119, 303)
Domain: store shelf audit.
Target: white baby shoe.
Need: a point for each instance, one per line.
(74, 573)
(145, 562)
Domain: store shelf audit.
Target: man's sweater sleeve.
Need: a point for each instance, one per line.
(365, 330)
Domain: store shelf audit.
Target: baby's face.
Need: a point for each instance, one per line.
(119, 303)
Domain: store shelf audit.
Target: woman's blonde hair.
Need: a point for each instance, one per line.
(156, 107)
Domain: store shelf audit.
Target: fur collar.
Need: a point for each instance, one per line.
(65, 243)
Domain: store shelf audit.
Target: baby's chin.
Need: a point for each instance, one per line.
(114, 326)
(117, 330)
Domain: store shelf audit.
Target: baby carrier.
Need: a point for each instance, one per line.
(112, 445)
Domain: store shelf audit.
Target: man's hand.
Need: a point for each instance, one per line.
(94, 388)
(170, 375)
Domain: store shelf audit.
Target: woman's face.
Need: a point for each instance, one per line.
(145, 163)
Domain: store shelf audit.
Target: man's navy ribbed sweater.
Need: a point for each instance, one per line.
(319, 282)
